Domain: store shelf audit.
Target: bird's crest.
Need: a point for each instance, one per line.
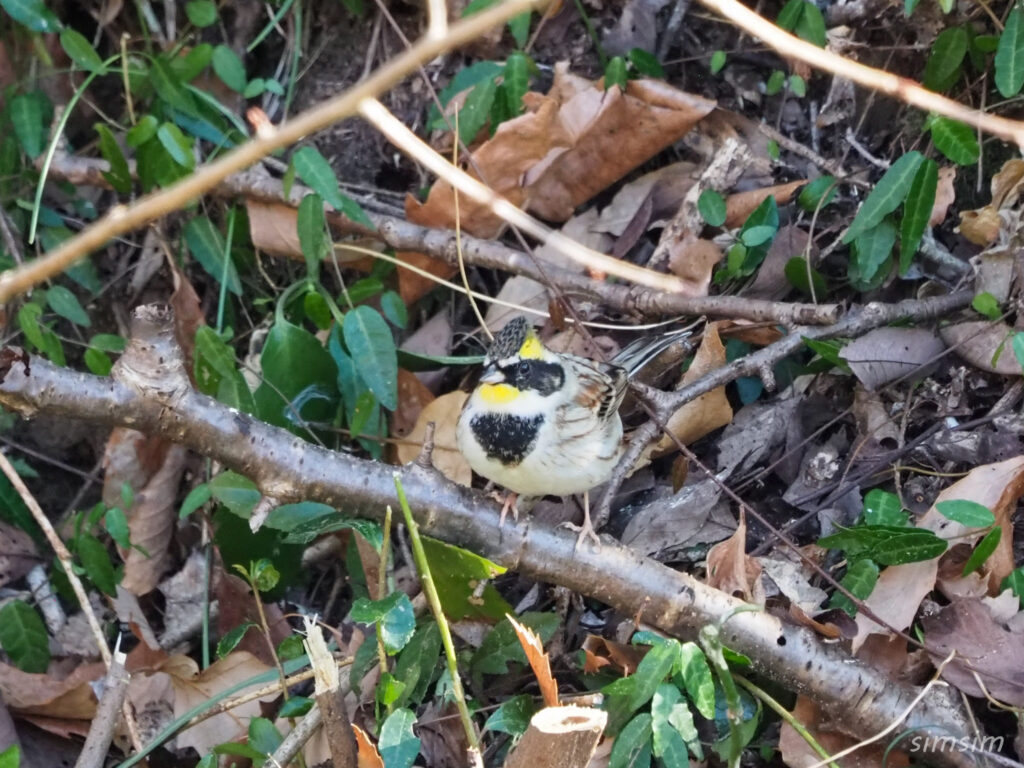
(516, 338)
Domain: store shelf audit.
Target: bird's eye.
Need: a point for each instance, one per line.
(524, 368)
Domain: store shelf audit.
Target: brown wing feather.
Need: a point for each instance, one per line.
(601, 387)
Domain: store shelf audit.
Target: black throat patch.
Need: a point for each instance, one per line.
(504, 437)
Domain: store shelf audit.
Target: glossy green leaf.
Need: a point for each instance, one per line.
(774, 83)
(27, 114)
(11, 757)
(39, 335)
(142, 131)
(119, 176)
(983, 551)
(80, 51)
(646, 63)
(288, 517)
(116, 523)
(516, 81)
(859, 580)
(96, 561)
(214, 360)
(887, 195)
(969, 513)
(615, 73)
(458, 575)
(883, 508)
(1009, 61)
(501, 646)
(818, 193)
(398, 745)
(299, 379)
(513, 716)
(317, 310)
(196, 498)
(237, 493)
(23, 637)
(229, 68)
(264, 736)
(803, 278)
(673, 728)
(632, 747)
(416, 664)
(369, 340)
(651, 672)
(811, 26)
(476, 109)
(955, 140)
(1014, 581)
(312, 230)
(917, 210)
(169, 88)
(65, 303)
(202, 13)
(394, 310)
(207, 245)
(296, 706)
(986, 304)
(711, 207)
(519, 28)
(306, 532)
(871, 249)
(316, 172)
(98, 363)
(393, 616)
(755, 236)
(718, 59)
(946, 58)
(695, 674)
(177, 145)
(232, 638)
(1017, 342)
(910, 546)
(465, 78)
(797, 86)
(33, 14)
(790, 15)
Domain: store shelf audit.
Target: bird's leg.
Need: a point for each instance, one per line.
(508, 501)
(586, 531)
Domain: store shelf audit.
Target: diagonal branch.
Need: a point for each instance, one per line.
(149, 395)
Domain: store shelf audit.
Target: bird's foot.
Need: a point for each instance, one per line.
(508, 502)
(585, 531)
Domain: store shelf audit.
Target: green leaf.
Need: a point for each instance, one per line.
(797, 271)
(194, 500)
(119, 175)
(947, 55)
(11, 757)
(513, 716)
(1009, 62)
(299, 379)
(237, 493)
(871, 250)
(917, 210)
(214, 360)
(646, 63)
(416, 664)
(968, 513)
(394, 618)
(398, 744)
(97, 362)
(394, 309)
(502, 647)
(316, 309)
(718, 59)
(202, 13)
(632, 747)
(693, 668)
(797, 86)
(1014, 581)
(33, 14)
(883, 508)
(232, 638)
(314, 169)
(519, 27)
(819, 192)
(887, 195)
(458, 575)
(465, 78)
(116, 524)
(983, 551)
(515, 82)
(312, 230)
(790, 15)
(207, 245)
(168, 87)
(27, 113)
(369, 341)
(711, 206)
(775, 81)
(23, 637)
(755, 236)
(811, 26)
(955, 140)
(475, 110)
(290, 648)
(673, 727)
(296, 706)
(313, 529)
(65, 303)
(80, 51)
(177, 145)
(229, 68)
(860, 580)
(986, 304)
(142, 131)
(264, 736)
(96, 561)
(615, 73)
(910, 546)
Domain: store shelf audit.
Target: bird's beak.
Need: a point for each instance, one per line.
(492, 375)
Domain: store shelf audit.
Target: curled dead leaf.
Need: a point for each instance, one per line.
(444, 412)
(693, 259)
(980, 226)
(945, 195)
(984, 345)
(740, 205)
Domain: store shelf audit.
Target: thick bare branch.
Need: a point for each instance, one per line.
(861, 699)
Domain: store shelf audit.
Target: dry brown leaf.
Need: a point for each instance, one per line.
(236, 608)
(602, 652)
(693, 259)
(40, 694)
(17, 553)
(980, 226)
(750, 332)
(444, 412)
(978, 341)
(740, 205)
(796, 753)
(413, 396)
(731, 570)
(770, 282)
(887, 354)
(413, 286)
(572, 143)
(368, 756)
(983, 648)
(945, 195)
(1006, 185)
(539, 662)
(705, 414)
(273, 228)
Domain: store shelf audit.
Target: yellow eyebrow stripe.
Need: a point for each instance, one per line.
(531, 349)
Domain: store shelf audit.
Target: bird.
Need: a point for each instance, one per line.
(544, 423)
